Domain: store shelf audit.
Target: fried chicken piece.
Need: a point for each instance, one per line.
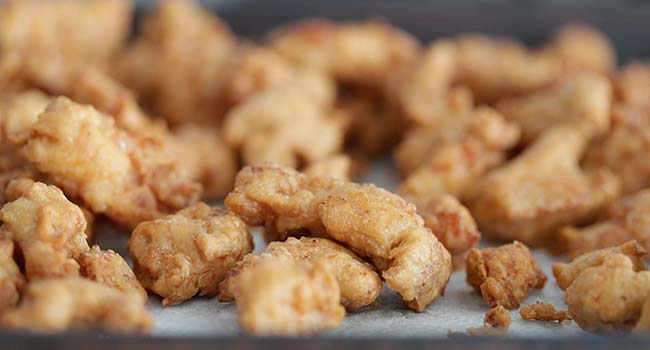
(496, 67)
(283, 125)
(358, 281)
(90, 30)
(581, 99)
(109, 269)
(285, 297)
(126, 176)
(447, 157)
(541, 311)
(565, 274)
(503, 275)
(581, 47)
(337, 167)
(451, 222)
(372, 222)
(608, 297)
(49, 230)
(57, 305)
(541, 190)
(643, 325)
(357, 53)
(189, 252)
(12, 280)
(623, 150)
(496, 322)
(178, 65)
(631, 85)
(625, 220)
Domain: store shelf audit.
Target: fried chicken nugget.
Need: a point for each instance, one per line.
(285, 126)
(496, 322)
(123, 175)
(631, 85)
(109, 269)
(285, 297)
(625, 220)
(189, 252)
(358, 281)
(610, 296)
(57, 305)
(581, 47)
(90, 30)
(337, 167)
(49, 230)
(178, 65)
(503, 275)
(496, 67)
(447, 157)
(583, 99)
(372, 222)
(643, 325)
(541, 311)
(451, 222)
(541, 190)
(565, 274)
(623, 149)
(12, 280)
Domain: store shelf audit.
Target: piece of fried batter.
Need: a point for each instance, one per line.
(625, 220)
(109, 269)
(189, 252)
(543, 189)
(358, 281)
(610, 296)
(49, 230)
(126, 176)
(285, 126)
(285, 297)
(73, 303)
(622, 150)
(372, 222)
(496, 67)
(579, 99)
(504, 275)
(565, 274)
(90, 30)
(451, 222)
(178, 65)
(448, 156)
(496, 322)
(12, 280)
(541, 311)
(581, 47)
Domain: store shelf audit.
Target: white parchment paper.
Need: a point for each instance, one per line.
(459, 309)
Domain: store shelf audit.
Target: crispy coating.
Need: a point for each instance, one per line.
(49, 230)
(123, 175)
(496, 67)
(608, 297)
(643, 325)
(631, 85)
(565, 274)
(624, 147)
(503, 275)
(285, 297)
(579, 99)
(625, 220)
(57, 305)
(91, 30)
(447, 157)
(451, 222)
(285, 126)
(337, 167)
(109, 269)
(541, 311)
(581, 47)
(12, 280)
(370, 221)
(179, 64)
(189, 252)
(496, 322)
(541, 190)
(358, 281)
(357, 53)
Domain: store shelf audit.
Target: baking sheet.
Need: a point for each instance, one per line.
(459, 309)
